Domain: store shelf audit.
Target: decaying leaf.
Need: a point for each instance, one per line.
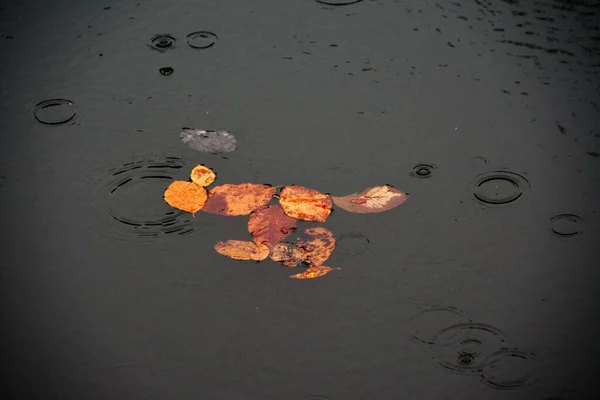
(269, 224)
(306, 204)
(241, 199)
(288, 254)
(313, 272)
(208, 141)
(242, 250)
(202, 175)
(318, 243)
(372, 200)
(186, 196)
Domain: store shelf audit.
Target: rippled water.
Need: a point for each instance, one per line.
(482, 286)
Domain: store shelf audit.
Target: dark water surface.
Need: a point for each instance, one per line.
(483, 285)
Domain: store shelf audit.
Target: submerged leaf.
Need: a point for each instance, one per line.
(242, 250)
(186, 196)
(287, 254)
(241, 199)
(313, 272)
(306, 204)
(372, 200)
(202, 175)
(318, 243)
(270, 224)
(208, 141)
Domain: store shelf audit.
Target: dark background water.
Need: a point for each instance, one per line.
(479, 286)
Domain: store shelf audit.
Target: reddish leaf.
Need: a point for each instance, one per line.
(287, 254)
(318, 243)
(305, 204)
(372, 200)
(241, 199)
(270, 224)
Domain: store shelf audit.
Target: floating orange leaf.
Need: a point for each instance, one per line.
(318, 243)
(287, 254)
(242, 250)
(241, 199)
(306, 204)
(186, 196)
(313, 272)
(372, 200)
(270, 224)
(202, 175)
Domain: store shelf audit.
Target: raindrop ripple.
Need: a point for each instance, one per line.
(510, 369)
(55, 111)
(201, 39)
(162, 42)
(499, 187)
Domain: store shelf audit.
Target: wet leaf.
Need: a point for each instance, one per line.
(318, 243)
(241, 199)
(208, 141)
(270, 224)
(242, 250)
(372, 200)
(313, 272)
(186, 196)
(202, 175)
(306, 204)
(288, 254)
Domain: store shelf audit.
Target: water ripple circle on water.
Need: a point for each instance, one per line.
(430, 320)
(499, 187)
(566, 225)
(128, 201)
(423, 170)
(55, 111)
(201, 39)
(338, 2)
(510, 369)
(352, 244)
(163, 41)
(466, 347)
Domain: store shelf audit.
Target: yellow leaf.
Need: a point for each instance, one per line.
(313, 272)
(202, 175)
(186, 196)
(372, 200)
(242, 250)
(306, 204)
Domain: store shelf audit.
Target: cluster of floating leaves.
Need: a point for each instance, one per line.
(270, 224)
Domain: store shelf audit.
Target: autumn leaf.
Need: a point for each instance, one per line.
(372, 200)
(288, 254)
(318, 243)
(242, 250)
(306, 204)
(270, 224)
(313, 272)
(241, 199)
(202, 175)
(186, 196)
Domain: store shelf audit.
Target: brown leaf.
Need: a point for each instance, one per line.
(270, 224)
(242, 250)
(186, 196)
(241, 199)
(318, 243)
(306, 204)
(287, 254)
(202, 175)
(372, 200)
(313, 272)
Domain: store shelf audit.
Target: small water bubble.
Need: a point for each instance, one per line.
(499, 187)
(510, 369)
(352, 244)
(465, 348)
(423, 170)
(566, 225)
(428, 322)
(55, 111)
(166, 71)
(163, 41)
(201, 39)
(338, 2)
